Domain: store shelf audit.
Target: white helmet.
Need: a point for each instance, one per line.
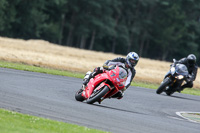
(132, 59)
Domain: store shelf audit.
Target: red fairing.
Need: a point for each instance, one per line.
(115, 76)
(94, 82)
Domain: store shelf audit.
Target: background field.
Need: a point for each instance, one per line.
(45, 54)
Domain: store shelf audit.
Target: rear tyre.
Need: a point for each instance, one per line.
(162, 87)
(78, 95)
(97, 95)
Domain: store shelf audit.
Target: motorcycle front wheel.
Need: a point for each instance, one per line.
(162, 87)
(78, 95)
(169, 93)
(97, 95)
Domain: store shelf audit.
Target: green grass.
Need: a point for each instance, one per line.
(145, 85)
(25, 67)
(12, 122)
(20, 66)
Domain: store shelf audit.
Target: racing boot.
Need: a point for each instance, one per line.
(85, 82)
(100, 100)
(90, 75)
(180, 89)
(118, 95)
(186, 85)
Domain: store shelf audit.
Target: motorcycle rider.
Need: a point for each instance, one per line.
(129, 63)
(190, 63)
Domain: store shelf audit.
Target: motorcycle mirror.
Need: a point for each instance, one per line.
(174, 60)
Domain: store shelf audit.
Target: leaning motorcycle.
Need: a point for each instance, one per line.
(174, 79)
(103, 85)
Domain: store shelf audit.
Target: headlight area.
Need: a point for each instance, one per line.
(179, 77)
(172, 70)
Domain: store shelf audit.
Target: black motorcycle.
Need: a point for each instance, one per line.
(174, 79)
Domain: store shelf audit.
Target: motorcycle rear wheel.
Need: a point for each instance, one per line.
(97, 95)
(162, 87)
(78, 95)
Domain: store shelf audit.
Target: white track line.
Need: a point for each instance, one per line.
(180, 114)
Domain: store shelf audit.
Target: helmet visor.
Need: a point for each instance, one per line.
(133, 61)
(191, 61)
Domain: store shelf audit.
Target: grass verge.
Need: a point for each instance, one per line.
(12, 122)
(20, 66)
(25, 67)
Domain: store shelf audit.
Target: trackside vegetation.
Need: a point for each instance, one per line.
(157, 29)
(20, 123)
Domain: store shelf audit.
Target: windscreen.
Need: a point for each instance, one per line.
(181, 69)
(122, 73)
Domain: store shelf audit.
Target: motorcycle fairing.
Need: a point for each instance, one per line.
(181, 69)
(119, 82)
(99, 80)
(93, 83)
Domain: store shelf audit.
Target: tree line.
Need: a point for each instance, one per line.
(156, 29)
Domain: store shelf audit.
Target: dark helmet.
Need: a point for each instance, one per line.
(191, 59)
(132, 59)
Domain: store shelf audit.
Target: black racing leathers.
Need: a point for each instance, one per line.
(192, 69)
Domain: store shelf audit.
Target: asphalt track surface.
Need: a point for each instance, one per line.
(140, 111)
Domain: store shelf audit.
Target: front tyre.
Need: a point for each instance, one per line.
(78, 95)
(169, 93)
(162, 87)
(97, 95)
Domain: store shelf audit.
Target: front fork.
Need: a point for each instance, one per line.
(175, 84)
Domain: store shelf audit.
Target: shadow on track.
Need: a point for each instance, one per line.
(185, 98)
(128, 111)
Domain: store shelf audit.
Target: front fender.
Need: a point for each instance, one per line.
(167, 80)
(89, 90)
(102, 85)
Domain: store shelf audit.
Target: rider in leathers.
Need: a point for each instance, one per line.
(129, 63)
(190, 63)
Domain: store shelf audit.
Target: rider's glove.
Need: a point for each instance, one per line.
(189, 78)
(105, 66)
(97, 71)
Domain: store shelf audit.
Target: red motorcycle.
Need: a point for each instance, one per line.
(103, 85)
